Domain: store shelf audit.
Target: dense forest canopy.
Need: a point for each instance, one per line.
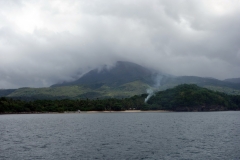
(184, 97)
(193, 98)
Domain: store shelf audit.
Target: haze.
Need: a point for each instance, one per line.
(44, 42)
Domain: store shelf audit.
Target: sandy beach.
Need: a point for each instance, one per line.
(126, 111)
(76, 112)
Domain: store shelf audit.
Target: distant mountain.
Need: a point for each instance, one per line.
(201, 81)
(233, 80)
(121, 73)
(125, 72)
(123, 80)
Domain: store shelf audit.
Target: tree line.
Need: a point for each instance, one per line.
(181, 98)
(16, 106)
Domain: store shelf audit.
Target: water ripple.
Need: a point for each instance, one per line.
(209, 135)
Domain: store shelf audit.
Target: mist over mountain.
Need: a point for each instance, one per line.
(44, 42)
(202, 81)
(233, 80)
(5, 92)
(122, 80)
(122, 72)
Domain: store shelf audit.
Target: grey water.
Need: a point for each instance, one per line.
(171, 135)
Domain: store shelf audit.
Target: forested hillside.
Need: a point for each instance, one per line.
(193, 98)
(181, 98)
(123, 80)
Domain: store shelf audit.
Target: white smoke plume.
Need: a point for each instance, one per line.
(150, 94)
(151, 91)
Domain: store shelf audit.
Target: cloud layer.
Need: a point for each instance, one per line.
(45, 42)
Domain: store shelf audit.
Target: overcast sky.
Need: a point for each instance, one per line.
(43, 42)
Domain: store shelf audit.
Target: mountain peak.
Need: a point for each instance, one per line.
(122, 72)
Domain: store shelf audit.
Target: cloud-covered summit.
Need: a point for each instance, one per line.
(45, 42)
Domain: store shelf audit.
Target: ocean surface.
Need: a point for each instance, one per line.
(171, 135)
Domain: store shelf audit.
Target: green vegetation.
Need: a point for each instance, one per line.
(226, 90)
(17, 106)
(101, 91)
(181, 98)
(123, 80)
(193, 98)
(98, 90)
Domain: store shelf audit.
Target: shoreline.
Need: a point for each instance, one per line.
(76, 112)
(92, 112)
(126, 111)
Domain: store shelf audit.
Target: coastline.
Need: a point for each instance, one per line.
(90, 112)
(126, 111)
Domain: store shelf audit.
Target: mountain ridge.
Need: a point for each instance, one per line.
(123, 80)
(121, 73)
(233, 80)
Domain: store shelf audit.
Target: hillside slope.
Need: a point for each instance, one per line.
(181, 98)
(81, 91)
(210, 83)
(125, 79)
(122, 72)
(193, 98)
(6, 92)
(233, 80)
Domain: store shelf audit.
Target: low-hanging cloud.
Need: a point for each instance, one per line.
(46, 42)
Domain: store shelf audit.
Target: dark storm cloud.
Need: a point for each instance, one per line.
(45, 42)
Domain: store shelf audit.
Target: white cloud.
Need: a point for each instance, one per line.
(44, 42)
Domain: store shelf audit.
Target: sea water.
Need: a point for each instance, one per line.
(143, 135)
